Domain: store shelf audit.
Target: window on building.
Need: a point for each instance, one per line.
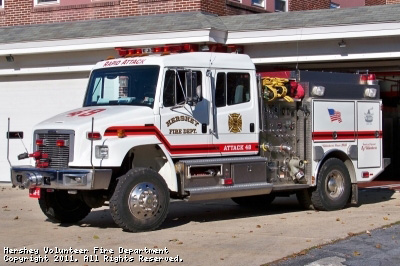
(38, 2)
(258, 3)
(281, 5)
(334, 5)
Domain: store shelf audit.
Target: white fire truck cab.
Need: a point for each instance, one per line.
(201, 126)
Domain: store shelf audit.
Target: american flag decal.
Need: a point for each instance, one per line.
(335, 115)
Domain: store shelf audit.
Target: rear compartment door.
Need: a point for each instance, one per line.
(369, 132)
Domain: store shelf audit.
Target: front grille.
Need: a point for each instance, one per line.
(58, 156)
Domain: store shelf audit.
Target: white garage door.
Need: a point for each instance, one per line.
(27, 100)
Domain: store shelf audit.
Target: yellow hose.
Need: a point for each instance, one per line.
(275, 89)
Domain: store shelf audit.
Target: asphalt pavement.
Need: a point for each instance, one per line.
(372, 248)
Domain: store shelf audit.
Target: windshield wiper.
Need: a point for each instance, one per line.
(95, 87)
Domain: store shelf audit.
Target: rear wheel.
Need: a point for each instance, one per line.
(140, 201)
(59, 206)
(333, 186)
(258, 201)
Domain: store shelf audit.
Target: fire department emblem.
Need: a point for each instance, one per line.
(369, 116)
(235, 123)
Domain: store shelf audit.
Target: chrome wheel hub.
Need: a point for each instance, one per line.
(335, 184)
(143, 201)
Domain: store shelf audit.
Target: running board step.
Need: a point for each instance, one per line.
(288, 187)
(238, 190)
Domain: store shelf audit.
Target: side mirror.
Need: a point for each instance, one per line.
(193, 90)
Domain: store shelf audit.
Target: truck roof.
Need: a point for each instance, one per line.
(190, 60)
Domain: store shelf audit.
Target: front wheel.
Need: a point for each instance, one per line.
(140, 201)
(333, 186)
(59, 206)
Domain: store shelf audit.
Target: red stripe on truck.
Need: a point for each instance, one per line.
(345, 135)
(182, 149)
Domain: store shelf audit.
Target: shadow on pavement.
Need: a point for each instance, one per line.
(374, 195)
(181, 213)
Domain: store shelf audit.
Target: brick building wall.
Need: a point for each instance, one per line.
(24, 12)
(375, 2)
(298, 5)
(392, 1)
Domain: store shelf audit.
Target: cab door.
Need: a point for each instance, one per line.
(236, 113)
(184, 127)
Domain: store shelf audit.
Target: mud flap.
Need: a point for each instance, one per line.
(354, 194)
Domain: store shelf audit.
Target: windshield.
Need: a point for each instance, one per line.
(123, 86)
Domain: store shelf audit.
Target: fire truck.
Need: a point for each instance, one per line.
(157, 125)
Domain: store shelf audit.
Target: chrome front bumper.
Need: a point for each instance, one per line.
(77, 179)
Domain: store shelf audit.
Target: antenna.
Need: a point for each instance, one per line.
(8, 143)
(91, 145)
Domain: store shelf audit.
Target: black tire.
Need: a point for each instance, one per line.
(333, 186)
(140, 201)
(59, 206)
(304, 199)
(258, 201)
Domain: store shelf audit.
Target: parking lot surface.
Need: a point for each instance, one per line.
(201, 233)
(376, 247)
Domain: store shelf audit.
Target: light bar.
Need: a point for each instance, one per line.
(163, 50)
(369, 79)
(178, 48)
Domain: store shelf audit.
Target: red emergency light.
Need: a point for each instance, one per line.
(369, 79)
(40, 142)
(93, 136)
(61, 143)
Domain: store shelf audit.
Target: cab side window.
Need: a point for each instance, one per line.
(232, 88)
(238, 88)
(174, 86)
(169, 89)
(220, 90)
